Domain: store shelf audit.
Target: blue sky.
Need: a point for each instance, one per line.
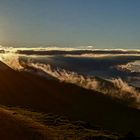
(102, 23)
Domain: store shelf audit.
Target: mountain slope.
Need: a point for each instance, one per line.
(36, 93)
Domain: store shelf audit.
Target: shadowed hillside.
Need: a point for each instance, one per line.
(49, 96)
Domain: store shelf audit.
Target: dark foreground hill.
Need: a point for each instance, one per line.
(26, 90)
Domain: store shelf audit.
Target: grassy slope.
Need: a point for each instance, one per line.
(18, 127)
(22, 124)
(38, 94)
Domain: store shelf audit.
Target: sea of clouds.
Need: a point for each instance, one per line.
(116, 61)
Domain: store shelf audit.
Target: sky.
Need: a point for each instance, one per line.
(98, 23)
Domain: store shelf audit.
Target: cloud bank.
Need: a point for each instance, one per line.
(115, 88)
